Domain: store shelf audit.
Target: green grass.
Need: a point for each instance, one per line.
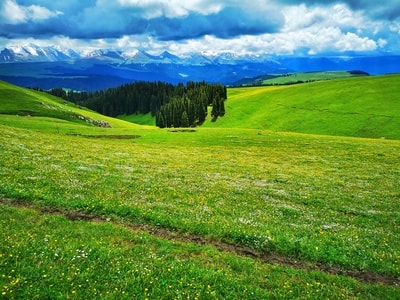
(360, 107)
(323, 200)
(295, 78)
(26, 103)
(366, 106)
(51, 257)
(307, 76)
(141, 119)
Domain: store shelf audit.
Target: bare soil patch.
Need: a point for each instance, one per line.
(110, 136)
(182, 130)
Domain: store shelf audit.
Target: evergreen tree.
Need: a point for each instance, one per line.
(215, 108)
(160, 122)
(222, 107)
(185, 120)
(163, 100)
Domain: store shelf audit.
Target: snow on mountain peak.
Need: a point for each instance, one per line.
(34, 53)
(32, 50)
(130, 53)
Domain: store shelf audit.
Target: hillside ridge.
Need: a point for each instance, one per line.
(359, 106)
(367, 107)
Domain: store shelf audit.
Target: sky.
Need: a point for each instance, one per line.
(275, 27)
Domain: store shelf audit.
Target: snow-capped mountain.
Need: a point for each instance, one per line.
(167, 57)
(54, 66)
(33, 53)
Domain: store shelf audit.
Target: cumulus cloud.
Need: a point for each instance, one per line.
(173, 8)
(269, 26)
(13, 13)
(164, 20)
(229, 22)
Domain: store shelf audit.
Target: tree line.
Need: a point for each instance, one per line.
(172, 105)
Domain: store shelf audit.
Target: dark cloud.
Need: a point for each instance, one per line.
(113, 21)
(389, 9)
(228, 23)
(165, 21)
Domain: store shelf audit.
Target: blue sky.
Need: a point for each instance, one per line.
(281, 27)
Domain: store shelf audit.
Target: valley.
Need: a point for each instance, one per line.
(292, 194)
(199, 150)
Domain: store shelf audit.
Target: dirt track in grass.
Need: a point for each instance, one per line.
(176, 236)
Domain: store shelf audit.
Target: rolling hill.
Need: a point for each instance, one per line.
(359, 106)
(295, 78)
(25, 107)
(230, 210)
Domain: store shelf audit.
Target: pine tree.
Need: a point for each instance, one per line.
(222, 107)
(160, 122)
(215, 108)
(185, 120)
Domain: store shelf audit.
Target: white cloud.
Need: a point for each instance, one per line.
(395, 27)
(173, 8)
(13, 13)
(256, 27)
(320, 29)
(313, 41)
(382, 43)
(36, 12)
(300, 16)
(352, 42)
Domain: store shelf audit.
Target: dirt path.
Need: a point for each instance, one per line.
(270, 258)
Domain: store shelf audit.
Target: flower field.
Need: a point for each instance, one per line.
(135, 212)
(324, 200)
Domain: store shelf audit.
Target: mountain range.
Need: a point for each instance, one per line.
(34, 53)
(54, 66)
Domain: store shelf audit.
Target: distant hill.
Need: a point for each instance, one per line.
(294, 78)
(366, 106)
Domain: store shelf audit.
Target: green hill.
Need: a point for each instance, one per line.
(29, 108)
(359, 106)
(136, 212)
(299, 77)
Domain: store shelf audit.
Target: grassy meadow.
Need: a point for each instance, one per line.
(299, 77)
(229, 210)
(358, 106)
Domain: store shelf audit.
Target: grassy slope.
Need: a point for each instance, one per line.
(309, 76)
(359, 107)
(331, 200)
(292, 78)
(141, 119)
(16, 101)
(362, 107)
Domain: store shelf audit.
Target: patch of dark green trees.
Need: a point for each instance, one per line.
(172, 105)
